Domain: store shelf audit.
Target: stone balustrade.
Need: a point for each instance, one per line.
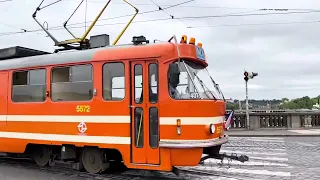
(276, 119)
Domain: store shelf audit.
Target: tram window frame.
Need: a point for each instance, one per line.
(112, 98)
(154, 125)
(71, 81)
(28, 83)
(139, 110)
(156, 74)
(138, 99)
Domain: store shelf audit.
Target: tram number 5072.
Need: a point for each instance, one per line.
(83, 108)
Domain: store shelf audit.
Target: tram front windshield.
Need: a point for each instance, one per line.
(189, 80)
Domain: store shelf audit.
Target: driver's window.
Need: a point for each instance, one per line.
(174, 80)
(180, 84)
(183, 85)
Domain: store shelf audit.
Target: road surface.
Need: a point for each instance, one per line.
(269, 158)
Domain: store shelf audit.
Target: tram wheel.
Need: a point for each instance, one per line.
(42, 155)
(93, 160)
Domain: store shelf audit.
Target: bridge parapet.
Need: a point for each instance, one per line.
(276, 120)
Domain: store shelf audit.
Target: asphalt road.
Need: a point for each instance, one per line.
(270, 158)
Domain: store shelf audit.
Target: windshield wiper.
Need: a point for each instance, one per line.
(220, 92)
(216, 85)
(204, 87)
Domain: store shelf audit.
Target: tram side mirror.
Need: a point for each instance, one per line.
(174, 74)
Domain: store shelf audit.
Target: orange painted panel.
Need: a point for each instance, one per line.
(3, 95)
(139, 122)
(188, 132)
(69, 128)
(186, 157)
(19, 146)
(153, 153)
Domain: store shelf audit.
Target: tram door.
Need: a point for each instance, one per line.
(4, 79)
(144, 112)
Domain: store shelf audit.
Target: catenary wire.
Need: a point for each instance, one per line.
(145, 12)
(256, 24)
(210, 7)
(160, 8)
(164, 19)
(194, 27)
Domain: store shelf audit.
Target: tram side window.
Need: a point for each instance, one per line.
(153, 127)
(72, 83)
(153, 83)
(29, 86)
(138, 82)
(113, 81)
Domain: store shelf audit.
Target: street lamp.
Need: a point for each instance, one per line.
(247, 76)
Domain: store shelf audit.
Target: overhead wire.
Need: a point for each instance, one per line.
(161, 9)
(48, 4)
(203, 6)
(256, 24)
(9, 25)
(180, 18)
(60, 27)
(140, 13)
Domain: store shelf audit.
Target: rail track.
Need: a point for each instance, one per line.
(113, 173)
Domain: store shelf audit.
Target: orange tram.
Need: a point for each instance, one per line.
(145, 105)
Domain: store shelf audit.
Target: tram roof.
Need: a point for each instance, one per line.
(41, 58)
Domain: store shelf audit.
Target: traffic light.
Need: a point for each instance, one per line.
(246, 74)
(249, 75)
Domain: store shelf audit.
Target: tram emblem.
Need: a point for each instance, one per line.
(82, 127)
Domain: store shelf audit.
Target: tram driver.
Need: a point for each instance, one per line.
(173, 79)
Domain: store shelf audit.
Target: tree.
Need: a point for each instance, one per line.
(232, 106)
(299, 103)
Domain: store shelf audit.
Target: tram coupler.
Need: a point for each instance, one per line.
(233, 156)
(176, 171)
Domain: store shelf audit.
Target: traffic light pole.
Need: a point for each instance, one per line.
(247, 76)
(247, 106)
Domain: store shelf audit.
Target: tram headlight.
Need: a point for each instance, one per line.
(212, 128)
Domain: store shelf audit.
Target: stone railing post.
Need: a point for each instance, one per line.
(295, 120)
(254, 121)
(307, 121)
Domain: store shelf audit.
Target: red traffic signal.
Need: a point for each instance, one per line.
(246, 74)
(249, 75)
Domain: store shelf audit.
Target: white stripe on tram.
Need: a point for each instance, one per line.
(67, 138)
(77, 138)
(191, 120)
(109, 119)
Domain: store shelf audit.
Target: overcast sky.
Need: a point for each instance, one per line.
(285, 56)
